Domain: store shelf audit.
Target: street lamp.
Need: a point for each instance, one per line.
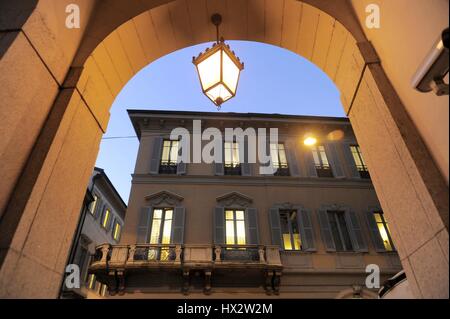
(218, 69)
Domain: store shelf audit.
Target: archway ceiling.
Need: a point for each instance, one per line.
(173, 25)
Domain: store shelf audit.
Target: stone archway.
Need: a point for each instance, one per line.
(39, 207)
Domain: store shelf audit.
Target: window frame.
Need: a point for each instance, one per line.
(105, 224)
(386, 229)
(162, 225)
(235, 227)
(170, 166)
(93, 205)
(323, 170)
(113, 233)
(341, 236)
(234, 168)
(362, 169)
(282, 169)
(291, 230)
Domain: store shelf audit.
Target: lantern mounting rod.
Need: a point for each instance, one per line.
(216, 19)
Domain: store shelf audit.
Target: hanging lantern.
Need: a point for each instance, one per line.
(218, 69)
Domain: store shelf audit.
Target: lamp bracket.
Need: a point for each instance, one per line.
(216, 19)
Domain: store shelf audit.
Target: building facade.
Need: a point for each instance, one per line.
(308, 229)
(101, 221)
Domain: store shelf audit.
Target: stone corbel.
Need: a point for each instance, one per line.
(185, 287)
(207, 289)
(276, 280)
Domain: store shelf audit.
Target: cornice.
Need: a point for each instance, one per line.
(300, 182)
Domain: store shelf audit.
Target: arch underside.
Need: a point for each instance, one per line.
(293, 25)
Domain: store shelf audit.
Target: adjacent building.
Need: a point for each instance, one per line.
(101, 222)
(308, 229)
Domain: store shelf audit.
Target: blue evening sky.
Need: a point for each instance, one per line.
(274, 81)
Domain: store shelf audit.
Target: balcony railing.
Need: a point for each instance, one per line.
(111, 262)
(170, 254)
(239, 253)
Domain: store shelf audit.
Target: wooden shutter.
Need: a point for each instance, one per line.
(274, 218)
(155, 158)
(245, 165)
(374, 232)
(356, 234)
(219, 225)
(309, 163)
(177, 236)
(269, 164)
(306, 229)
(292, 159)
(181, 168)
(98, 207)
(251, 220)
(111, 221)
(354, 173)
(325, 230)
(333, 159)
(144, 225)
(219, 167)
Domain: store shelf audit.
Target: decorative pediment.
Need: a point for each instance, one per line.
(234, 199)
(164, 198)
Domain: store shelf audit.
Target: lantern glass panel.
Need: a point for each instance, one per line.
(219, 91)
(230, 72)
(209, 70)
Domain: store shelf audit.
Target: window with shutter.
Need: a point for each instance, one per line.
(235, 227)
(359, 162)
(219, 225)
(334, 160)
(155, 158)
(350, 163)
(143, 229)
(169, 157)
(340, 230)
(252, 226)
(178, 225)
(290, 230)
(380, 231)
(325, 230)
(232, 163)
(356, 234)
(274, 218)
(321, 162)
(279, 159)
(306, 229)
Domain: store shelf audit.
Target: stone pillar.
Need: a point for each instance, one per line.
(38, 224)
(411, 190)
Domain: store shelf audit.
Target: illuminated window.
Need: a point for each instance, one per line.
(232, 164)
(91, 281)
(279, 161)
(383, 229)
(161, 232)
(117, 231)
(359, 161)
(289, 230)
(235, 227)
(169, 157)
(103, 290)
(105, 219)
(339, 230)
(93, 204)
(323, 167)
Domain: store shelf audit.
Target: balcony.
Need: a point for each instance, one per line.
(126, 268)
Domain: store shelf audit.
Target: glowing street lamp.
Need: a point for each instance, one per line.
(310, 141)
(218, 69)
